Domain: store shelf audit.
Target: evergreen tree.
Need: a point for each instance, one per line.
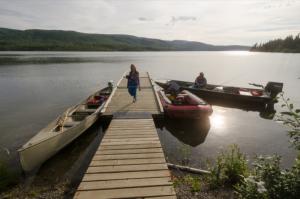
(289, 44)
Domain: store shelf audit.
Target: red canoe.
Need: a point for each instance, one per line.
(186, 105)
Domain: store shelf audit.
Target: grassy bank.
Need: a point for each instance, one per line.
(231, 177)
(60, 190)
(189, 185)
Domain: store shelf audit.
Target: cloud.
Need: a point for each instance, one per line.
(144, 19)
(215, 21)
(13, 13)
(175, 20)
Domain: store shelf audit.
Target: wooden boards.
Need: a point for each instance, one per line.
(144, 81)
(128, 164)
(122, 103)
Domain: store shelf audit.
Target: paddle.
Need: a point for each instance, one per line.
(257, 85)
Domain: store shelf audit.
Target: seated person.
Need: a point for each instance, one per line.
(200, 81)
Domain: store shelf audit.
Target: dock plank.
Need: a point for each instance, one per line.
(130, 146)
(129, 132)
(127, 162)
(126, 175)
(130, 143)
(128, 156)
(136, 192)
(129, 151)
(125, 183)
(123, 168)
(130, 136)
(106, 140)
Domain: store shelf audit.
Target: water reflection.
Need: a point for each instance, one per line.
(69, 164)
(265, 111)
(269, 112)
(190, 132)
(57, 58)
(217, 120)
(238, 53)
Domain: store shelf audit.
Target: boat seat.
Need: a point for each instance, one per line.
(193, 99)
(182, 94)
(70, 124)
(84, 111)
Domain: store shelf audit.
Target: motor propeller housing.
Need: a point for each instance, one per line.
(274, 88)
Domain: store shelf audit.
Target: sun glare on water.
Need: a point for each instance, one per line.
(238, 53)
(217, 121)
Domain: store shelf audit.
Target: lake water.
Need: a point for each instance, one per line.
(35, 87)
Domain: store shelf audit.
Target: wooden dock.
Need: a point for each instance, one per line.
(129, 162)
(120, 102)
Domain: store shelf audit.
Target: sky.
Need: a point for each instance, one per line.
(219, 22)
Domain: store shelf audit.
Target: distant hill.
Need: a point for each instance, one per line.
(58, 40)
(290, 45)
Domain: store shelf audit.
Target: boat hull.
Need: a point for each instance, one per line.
(33, 156)
(255, 103)
(184, 111)
(63, 130)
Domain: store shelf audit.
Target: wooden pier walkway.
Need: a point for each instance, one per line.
(129, 162)
(120, 102)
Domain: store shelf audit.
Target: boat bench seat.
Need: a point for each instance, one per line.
(84, 111)
(70, 124)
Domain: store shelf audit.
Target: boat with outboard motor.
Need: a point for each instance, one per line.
(216, 94)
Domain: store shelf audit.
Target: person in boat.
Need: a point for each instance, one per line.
(133, 81)
(200, 81)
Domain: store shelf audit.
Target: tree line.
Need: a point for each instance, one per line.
(59, 40)
(290, 44)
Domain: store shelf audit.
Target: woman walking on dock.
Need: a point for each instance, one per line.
(133, 81)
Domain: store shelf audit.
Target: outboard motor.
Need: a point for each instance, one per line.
(274, 88)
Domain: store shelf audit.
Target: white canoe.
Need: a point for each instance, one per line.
(63, 130)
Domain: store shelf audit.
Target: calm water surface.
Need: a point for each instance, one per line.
(35, 87)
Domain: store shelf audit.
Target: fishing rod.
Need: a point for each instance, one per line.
(242, 74)
(257, 85)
